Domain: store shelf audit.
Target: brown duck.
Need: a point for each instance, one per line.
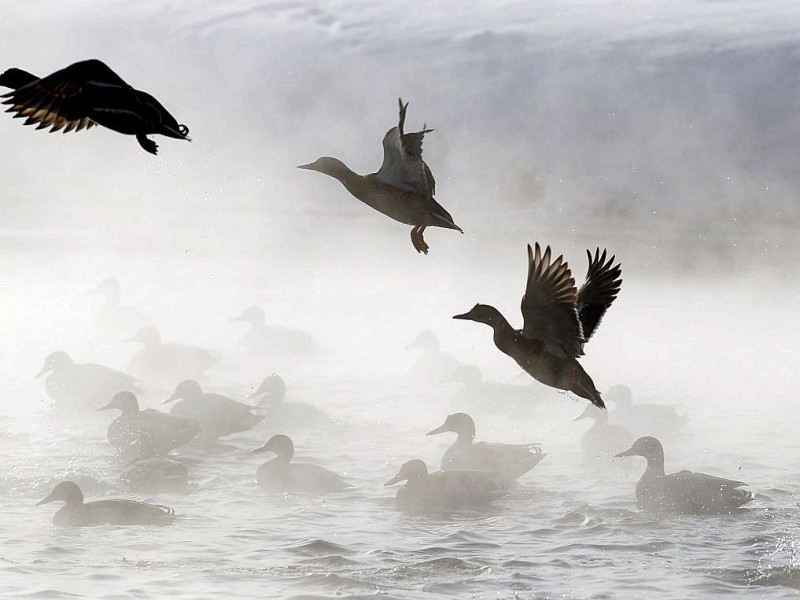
(558, 320)
(85, 94)
(402, 189)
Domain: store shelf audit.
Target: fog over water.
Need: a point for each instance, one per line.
(665, 132)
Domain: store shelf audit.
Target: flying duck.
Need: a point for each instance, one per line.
(77, 513)
(510, 460)
(402, 189)
(684, 492)
(445, 490)
(558, 320)
(282, 475)
(85, 94)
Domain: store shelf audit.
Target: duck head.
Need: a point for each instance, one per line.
(460, 423)
(186, 390)
(482, 313)
(426, 340)
(273, 388)
(124, 401)
(330, 166)
(108, 288)
(648, 447)
(409, 471)
(147, 335)
(67, 492)
(167, 124)
(55, 361)
(252, 315)
(620, 395)
(279, 444)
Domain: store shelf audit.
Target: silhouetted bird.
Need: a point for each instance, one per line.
(402, 189)
(166, 363)
(74, 385)
(658, 420)
(114, 319)
(492, 397)
(282, 475)
(77, 513)
(434, 365)
(603, 439)
(511, 460)
(217, 415)
(445, 490)
(84, 94)
(150, 472)
(684, 492)
(272, 339)
(286, 416)
(558, 320)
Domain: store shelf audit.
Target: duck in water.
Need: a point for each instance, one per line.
(558, 320)
(86, 94)
(402, 189)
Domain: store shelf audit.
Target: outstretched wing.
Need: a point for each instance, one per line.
(597, 293)
(59, 101)
(549, 305)
(403, 167)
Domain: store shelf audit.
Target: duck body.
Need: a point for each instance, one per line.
(74, 385)
(282, 475)
(559, 320)
(166, 432)
(434, 365)
(684, 492)
(274, 340)
(659, 420)
(492, 397)
(602, 440)
(165, 363)
(445, 490)
(155, 475)
(510, 460)
(402, 189)
(85, 94)
(115, 320)
(287, 416)
(216, 414)
(77, 513)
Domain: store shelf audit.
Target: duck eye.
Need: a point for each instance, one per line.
(183, 129)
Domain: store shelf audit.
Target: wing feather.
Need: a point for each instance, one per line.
(403, 167)
(599, 290)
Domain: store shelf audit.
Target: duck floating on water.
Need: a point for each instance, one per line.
(85, 94)
(217, 415)
(602, 440)
(434, 365)
(492, 397)
(165, 432)
(115, 320)
(271, 339)
(402, 189)
(683, 492)
(659, 420)
(283, 415)
(77, 513)
(445, 490)
(74, 385)
(282, 475)
(558, 320)
(166, 363)
(151, 472)
(510, 460)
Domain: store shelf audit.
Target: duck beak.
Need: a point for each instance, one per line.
(440, 429)
(106, 407)
(628, 452)
(46, 500)
(264, 448)
(393, 480)
(308, 166)
(170, 399)
(464, 316)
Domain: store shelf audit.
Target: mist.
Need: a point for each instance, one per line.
(664, 132)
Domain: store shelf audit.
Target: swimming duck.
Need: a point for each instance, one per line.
(166, 432)
(558, 320)
(270, 339)
(660, 420)
(85, 94)
(510, 460)
(492, 397)
(434, 365)
(217, 415)
(684, 492)
(166, 363)
(445, 490)
(602, 440)
(77, 513)
(83, 384)
(284, 415)
(114, 319)
(149, 471)
(282, 475)
(402, 189)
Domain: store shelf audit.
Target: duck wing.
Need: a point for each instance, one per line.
(403, 167)
(549, 305)
(600, 289)
(64, 99)
(699, 493)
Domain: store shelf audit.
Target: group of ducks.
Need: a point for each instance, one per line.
(558, 319)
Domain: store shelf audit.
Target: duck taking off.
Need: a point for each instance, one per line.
(85, 94)
(558, 320)
(402, 189)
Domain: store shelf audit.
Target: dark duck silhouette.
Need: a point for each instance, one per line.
(684, 492)
(85, 94)
(558, 320)
(77, 513)
(402, 189)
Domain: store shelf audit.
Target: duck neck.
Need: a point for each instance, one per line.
(352, 181)
(503, 332)
(655, 466)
